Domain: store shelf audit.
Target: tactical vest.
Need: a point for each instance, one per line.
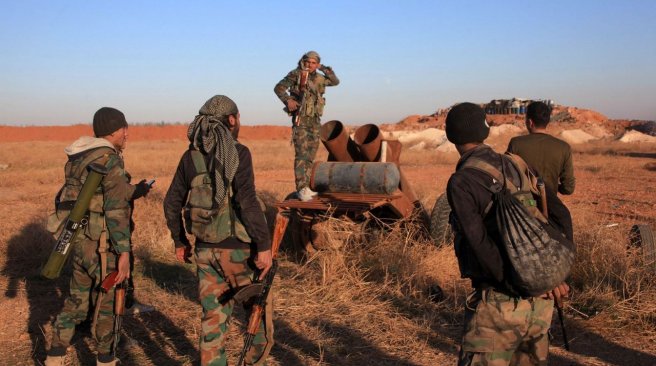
(207, 221)
(75, 174)
(314, 101)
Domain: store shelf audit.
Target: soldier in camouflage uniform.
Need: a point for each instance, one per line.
(305, 104)
(214, 187)
(501, 328)
(108, 231)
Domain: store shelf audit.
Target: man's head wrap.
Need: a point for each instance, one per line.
(307, 55)
(209, 134)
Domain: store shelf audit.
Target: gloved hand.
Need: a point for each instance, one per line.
(141, 190)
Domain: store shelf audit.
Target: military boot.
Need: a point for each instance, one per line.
(55, 361)
(113, 362)
(106, 360)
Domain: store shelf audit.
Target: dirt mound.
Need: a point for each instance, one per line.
(136, 133)
(635, 136)
(576, 136)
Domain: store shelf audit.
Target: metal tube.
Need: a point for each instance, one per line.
(337, 141)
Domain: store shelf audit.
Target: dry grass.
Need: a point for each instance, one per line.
(363, 299)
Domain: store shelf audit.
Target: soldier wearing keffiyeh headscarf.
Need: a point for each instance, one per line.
(214, 187)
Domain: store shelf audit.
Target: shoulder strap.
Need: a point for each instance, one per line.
(199, 162)
(91, 157)
(528, 179)
(491, 170)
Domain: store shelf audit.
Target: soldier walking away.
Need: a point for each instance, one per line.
(500, 326)
(214, 187)
(105, 245)
(551, 157)
(302, 93)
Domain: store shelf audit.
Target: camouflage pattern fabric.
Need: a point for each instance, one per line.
(84, 283)
(502, 330)
(316, 87)
(305, 137)
(205, 221)
(220, 272)
(112, 200)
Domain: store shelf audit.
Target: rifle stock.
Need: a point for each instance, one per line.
(260, 302)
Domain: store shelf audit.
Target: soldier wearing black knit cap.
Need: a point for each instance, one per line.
(500, 327)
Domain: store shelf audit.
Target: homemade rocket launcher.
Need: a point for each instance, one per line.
(362, 178)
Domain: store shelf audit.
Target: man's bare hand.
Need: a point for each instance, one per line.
(183, 254)
(264, 261)
(123, 267)
(558, 294)
(292, 105)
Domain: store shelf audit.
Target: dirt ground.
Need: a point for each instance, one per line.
(322, 317)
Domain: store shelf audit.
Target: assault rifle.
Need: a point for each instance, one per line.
(75, 223)
(302, 87)
(119, 304)
(260, 289)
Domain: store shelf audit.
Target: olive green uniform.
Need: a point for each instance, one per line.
(551, 157)
(305, 132)
(109, 219)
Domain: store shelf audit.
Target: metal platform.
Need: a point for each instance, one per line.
(356, 203)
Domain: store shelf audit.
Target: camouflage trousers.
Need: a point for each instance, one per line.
(84, 283)
(502, 330)
(220, 273)
(305, 137)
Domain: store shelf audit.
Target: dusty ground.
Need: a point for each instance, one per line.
(337, 309)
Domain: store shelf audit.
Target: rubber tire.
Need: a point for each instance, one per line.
(643, 237)
(440, 229)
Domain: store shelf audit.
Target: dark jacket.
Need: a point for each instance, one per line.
(243, 185)
(476, 233)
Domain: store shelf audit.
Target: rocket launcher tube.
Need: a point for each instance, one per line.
(75, 223)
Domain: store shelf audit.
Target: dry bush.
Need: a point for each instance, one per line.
(611, 279)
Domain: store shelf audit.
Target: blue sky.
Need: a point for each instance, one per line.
(160, 60)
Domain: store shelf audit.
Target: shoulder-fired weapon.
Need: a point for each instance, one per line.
(75, 223)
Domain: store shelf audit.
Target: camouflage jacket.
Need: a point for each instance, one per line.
(112, 200)
(314, 102)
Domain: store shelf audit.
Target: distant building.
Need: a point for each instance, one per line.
(511, 106)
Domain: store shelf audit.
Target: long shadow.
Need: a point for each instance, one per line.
(26, 253)
(289, 343)
(586, 343)
(414, 309)
(640, 155)
(171, 277)
(162, 342)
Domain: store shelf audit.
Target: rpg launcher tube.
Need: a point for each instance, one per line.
(75, 223)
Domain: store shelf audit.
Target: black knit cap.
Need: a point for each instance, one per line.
(466, 123)
(107, 120)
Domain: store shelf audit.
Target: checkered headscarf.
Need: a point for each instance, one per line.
(209, 134)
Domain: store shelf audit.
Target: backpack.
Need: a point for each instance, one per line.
(541, 257)
(203, 218)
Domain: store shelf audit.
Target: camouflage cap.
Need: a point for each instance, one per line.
(312, 54)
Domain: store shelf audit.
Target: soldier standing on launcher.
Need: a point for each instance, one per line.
(109, 223)
(215, 184)
(302, 93)
(501, 328)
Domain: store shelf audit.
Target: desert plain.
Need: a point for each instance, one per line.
(361, 301)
